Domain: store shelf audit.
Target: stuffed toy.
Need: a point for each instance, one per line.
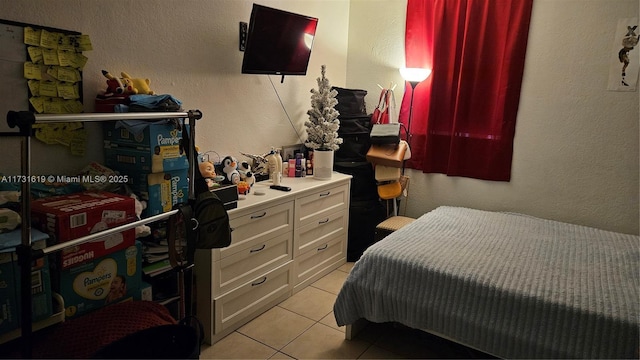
(230, 168)
(140, 86)
(142, 230)
(245, 174)
(260, 163)
(208, 172)
(126, 85)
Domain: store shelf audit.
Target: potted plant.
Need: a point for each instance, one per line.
(322, 127)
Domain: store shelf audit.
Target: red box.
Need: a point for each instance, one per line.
(68, 217)
(106, 104)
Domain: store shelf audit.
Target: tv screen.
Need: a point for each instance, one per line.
(278, 42)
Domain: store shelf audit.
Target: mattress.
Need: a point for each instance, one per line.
(511, 285)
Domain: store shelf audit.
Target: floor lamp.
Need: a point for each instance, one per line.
(414, 76)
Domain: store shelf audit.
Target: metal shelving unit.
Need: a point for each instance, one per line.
(24, 121)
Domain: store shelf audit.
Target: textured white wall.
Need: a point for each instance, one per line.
(576, 147)
(189, 48)
(576, 144)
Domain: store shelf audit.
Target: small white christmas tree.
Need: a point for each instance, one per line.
(323, 123)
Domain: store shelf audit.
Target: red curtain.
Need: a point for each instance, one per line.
(464, 114)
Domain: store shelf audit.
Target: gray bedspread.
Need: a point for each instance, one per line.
(511, 285)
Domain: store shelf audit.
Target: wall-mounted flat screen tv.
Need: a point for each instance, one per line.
(278, 42)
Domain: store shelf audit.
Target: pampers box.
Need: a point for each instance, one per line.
(101, 281)
(68, 217)
(161, 190)
(41, 305)
(156, 148)
(137, 159)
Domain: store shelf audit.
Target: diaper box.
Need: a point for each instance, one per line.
(124, 159)
(161, 191)
(153, 148)
(68, 217)
(147, 136)
(109, 279)
(41, 303)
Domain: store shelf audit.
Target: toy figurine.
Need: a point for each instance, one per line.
(245, 174)
(230, 168)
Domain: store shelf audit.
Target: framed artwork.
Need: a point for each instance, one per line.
(290, 151)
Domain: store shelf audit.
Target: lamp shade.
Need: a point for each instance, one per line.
(415, 75)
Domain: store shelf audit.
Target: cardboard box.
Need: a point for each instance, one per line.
(68, 217)
(161, 191)
(164, 134)
(102, 281)
(41, 302)
(149, 160)
(156, 148)
(107, 104)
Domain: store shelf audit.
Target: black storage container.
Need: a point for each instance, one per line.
(356, 141)
(350, 102)
(364, 216)
(363, 182)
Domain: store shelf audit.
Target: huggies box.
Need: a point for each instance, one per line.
(68, 217)
(101, 281)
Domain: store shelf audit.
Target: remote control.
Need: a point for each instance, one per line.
(280, 187)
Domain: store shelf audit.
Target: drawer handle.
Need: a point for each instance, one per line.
(324, 247)
(264, 278)
(259, 216)
(325, 194)
(323, 221)
(260, 249)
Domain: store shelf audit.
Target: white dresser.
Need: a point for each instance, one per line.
(281, 243)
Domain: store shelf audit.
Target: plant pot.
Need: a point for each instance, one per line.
(322, 164)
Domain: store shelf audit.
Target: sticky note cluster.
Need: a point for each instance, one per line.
(54, 73)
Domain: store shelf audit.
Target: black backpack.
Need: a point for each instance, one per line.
(202, 222)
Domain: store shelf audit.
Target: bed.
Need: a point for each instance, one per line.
(507, 284)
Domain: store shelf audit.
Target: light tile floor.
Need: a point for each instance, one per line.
(303, 327)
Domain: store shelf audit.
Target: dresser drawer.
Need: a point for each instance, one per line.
(319, 204)
(254, 259)
(314, 264)
(314, 234)
(243, 302)
(260, 223)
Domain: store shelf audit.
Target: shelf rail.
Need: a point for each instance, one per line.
(24, 121)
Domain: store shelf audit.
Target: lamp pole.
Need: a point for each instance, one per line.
(413, 88)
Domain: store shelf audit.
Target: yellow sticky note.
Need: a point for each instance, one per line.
(34, 87)
(52, 71)
(78, 143)
(37, 103)
(66, 90)
(46, 134)
(54, 106)
(48, 88)
(83, 43)
(79, 61)
(50, 57)
(74, 107)
(49, 40)
(35, 54)
(31, 36)
(66, 58)
(68, 74)
(66, 42)
(32, 71)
